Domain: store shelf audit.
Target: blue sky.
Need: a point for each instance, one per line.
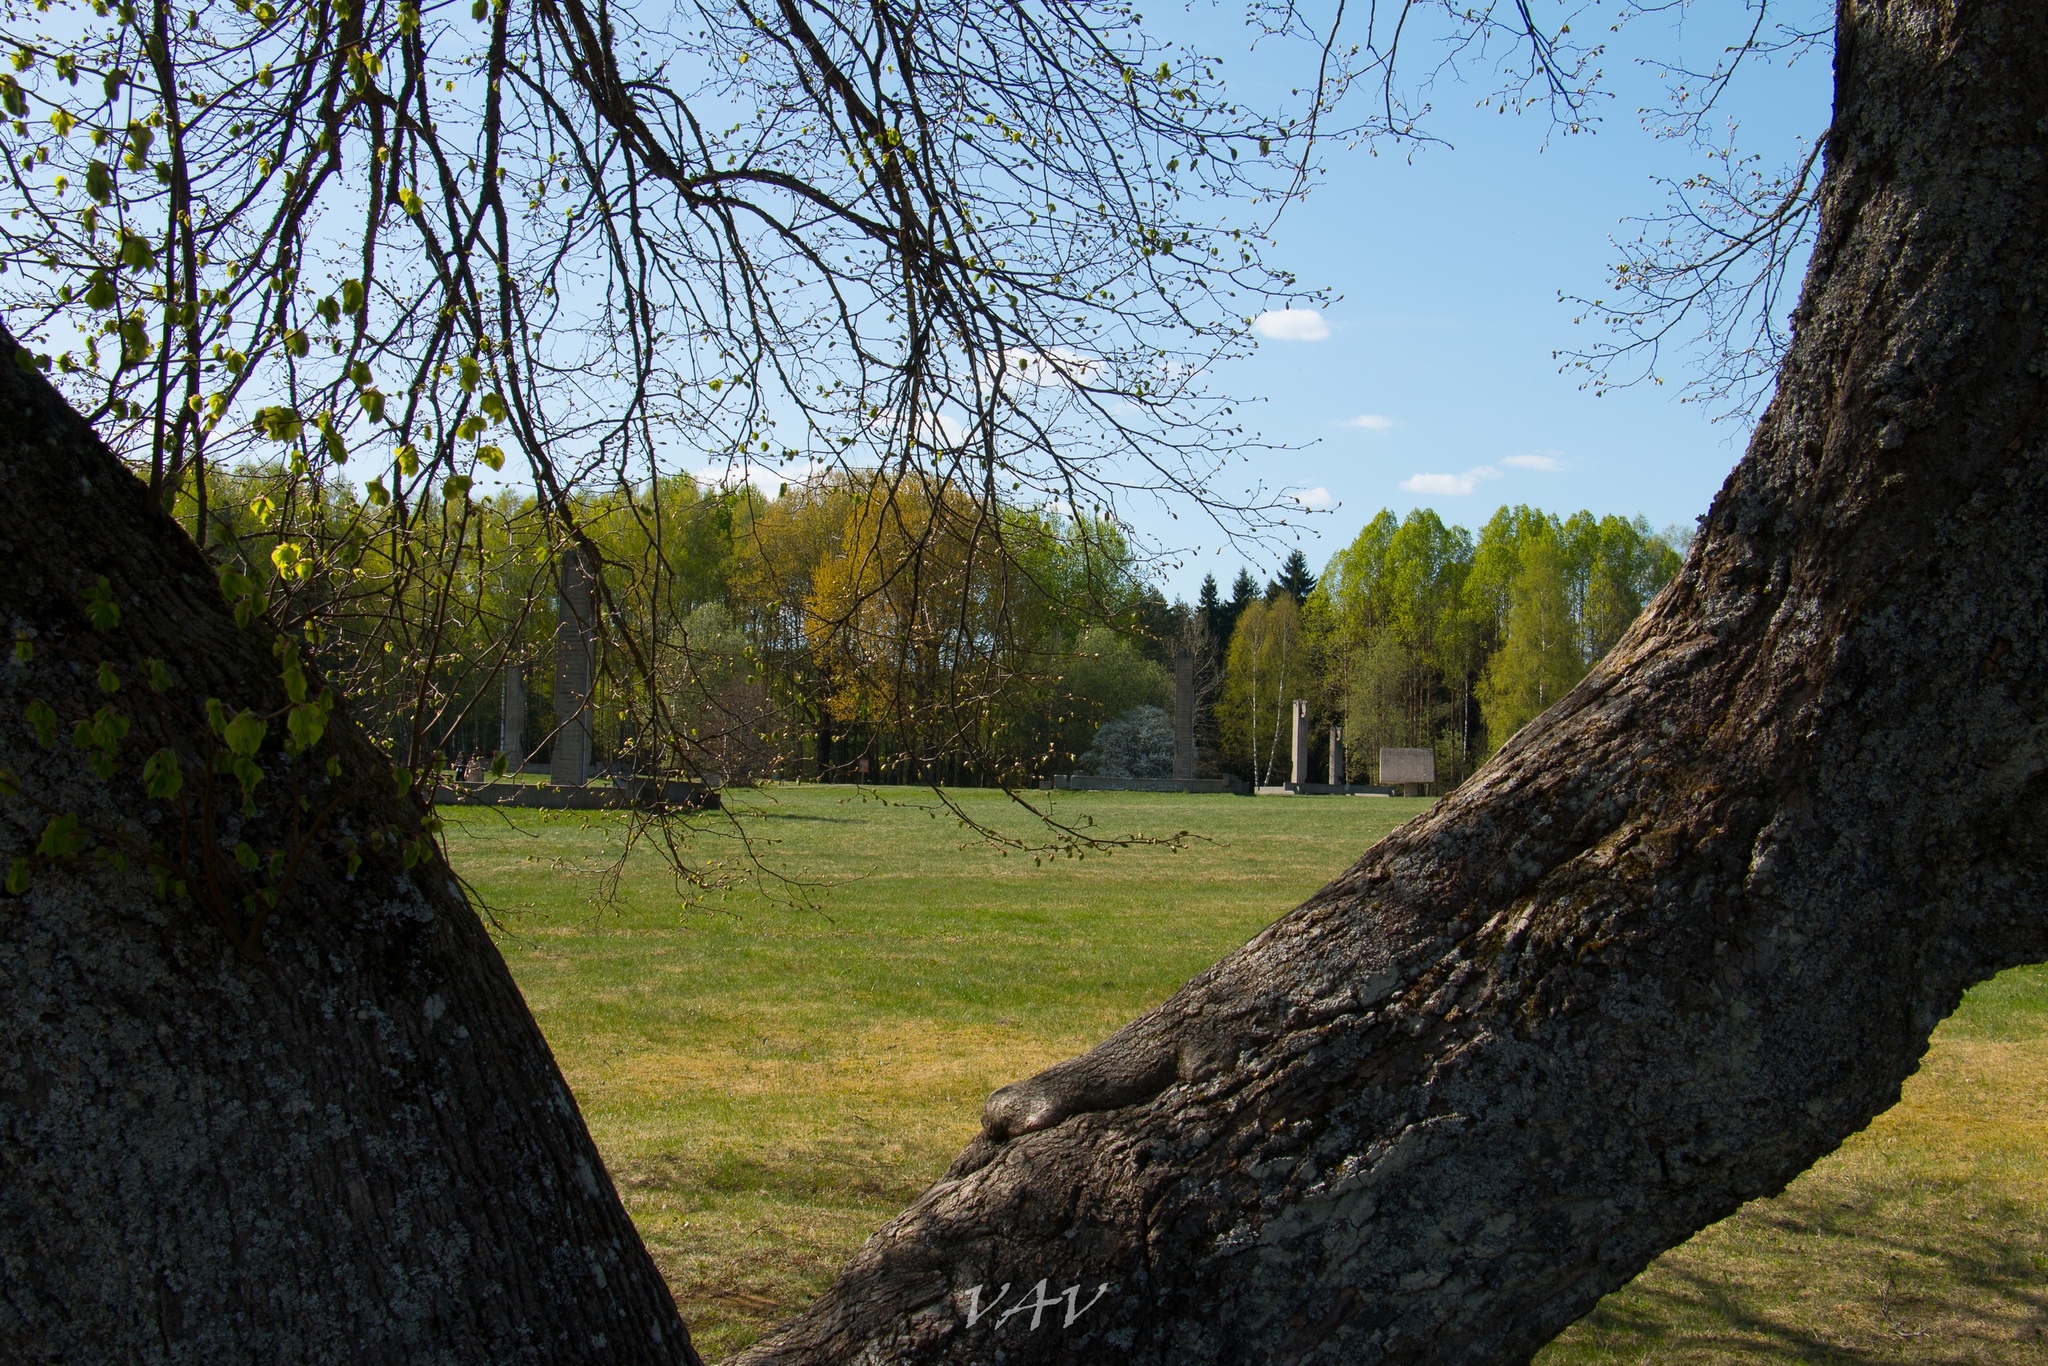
(1434, 384)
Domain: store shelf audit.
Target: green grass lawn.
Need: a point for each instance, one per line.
(770, 1081)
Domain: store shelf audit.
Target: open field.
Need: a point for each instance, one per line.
(769, 1083)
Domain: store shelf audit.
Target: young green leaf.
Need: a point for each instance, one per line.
(307, 722)
(290, 560)
(245, 734)
(44, 721)
(161, 776)
(136, 252)
(279, 424)
(248, 773)
(101, 607)
(61, 838)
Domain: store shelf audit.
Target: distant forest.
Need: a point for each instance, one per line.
(1420, 634)
(817, 633)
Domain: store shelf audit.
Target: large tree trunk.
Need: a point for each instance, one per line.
(1681, 937)
(347, 1143)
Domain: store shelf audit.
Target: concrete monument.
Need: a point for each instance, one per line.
(512, 717)
(1299, 776)
(1184, 714)
(1336, 756)
(1408, 770)
(575, 670)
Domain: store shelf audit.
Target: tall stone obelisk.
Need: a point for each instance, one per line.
(575, 670)
(1184, 714)
(1299, 778)
(512, 717)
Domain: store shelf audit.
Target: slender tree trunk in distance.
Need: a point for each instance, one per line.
(350, 1145)
(1678, 939)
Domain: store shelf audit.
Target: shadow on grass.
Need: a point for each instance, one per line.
(1781, 1283)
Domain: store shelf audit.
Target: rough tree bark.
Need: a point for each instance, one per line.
(1681, 937)
(347, 1145)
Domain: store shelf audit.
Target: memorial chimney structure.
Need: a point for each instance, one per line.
(1184, 714)
(575, 669)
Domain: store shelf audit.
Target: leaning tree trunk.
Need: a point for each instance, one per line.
(328, 1132)
(1683, 935)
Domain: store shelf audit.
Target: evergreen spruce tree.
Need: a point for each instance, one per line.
(1295, 580)
(1244, 591)
(1209, 606)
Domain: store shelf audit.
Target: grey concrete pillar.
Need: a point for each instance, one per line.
(512, 718)
(1300, 776)
(1184, 714)
(575, 670)
(1336, 756)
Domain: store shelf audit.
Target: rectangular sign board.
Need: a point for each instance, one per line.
(1407, 765)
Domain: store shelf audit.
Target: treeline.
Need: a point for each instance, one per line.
(852, 627)
(1419, 634)
(856, 628)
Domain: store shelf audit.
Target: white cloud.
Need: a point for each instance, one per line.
(1314, 499)
(1370, 422)
(1292, 324)
(1450, 485)
(1546, 461)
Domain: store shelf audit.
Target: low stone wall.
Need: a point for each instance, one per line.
(644, 794)
(1089, 782)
